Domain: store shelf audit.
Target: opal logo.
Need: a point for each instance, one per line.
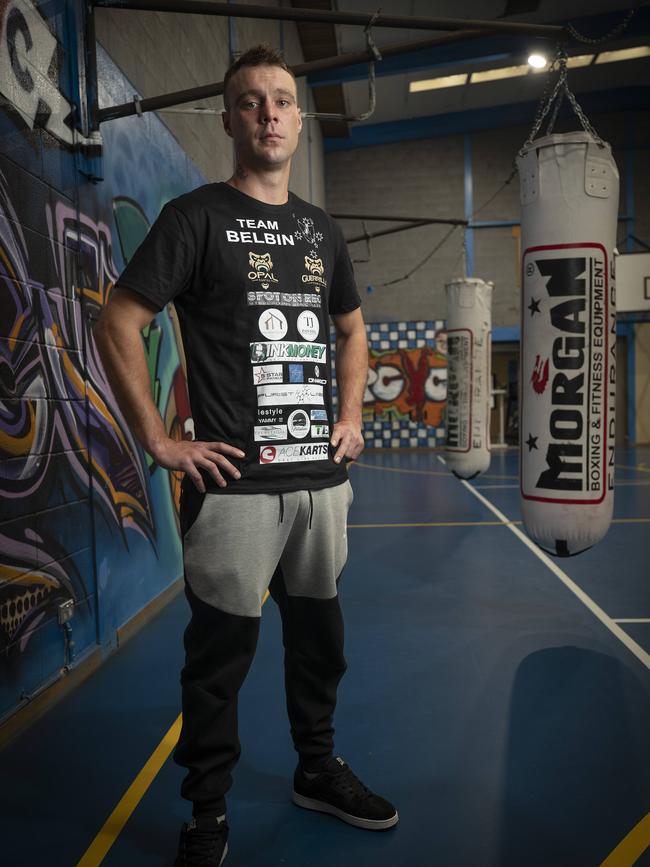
(263, 266)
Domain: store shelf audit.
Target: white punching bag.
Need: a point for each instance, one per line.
(469, 379)
(569, 202)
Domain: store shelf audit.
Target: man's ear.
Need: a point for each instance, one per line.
(225, 118)
(299, 119)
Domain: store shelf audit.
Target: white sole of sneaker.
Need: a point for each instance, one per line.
(366, 824)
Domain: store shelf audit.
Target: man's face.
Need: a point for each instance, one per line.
(263, 117)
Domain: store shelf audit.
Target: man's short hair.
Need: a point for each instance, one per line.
(260, 55)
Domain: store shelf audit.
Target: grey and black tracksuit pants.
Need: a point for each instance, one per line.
(235, 547)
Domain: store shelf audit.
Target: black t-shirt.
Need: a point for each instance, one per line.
(252, 284)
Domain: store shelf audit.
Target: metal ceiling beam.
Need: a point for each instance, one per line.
(286, 13)
(368, 236)
(179, 97)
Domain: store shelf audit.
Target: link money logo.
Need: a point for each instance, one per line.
(263, 266)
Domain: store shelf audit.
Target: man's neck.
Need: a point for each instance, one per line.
(269, 187)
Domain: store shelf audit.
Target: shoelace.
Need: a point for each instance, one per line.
(203, 843)
(347, 782)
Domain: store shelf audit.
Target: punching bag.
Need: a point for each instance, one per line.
(469, 379)
(569, 202)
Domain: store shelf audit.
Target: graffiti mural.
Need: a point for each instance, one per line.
(405, 398)
(86, 516)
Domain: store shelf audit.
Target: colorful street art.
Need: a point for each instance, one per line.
(405, 398)
(85, 514)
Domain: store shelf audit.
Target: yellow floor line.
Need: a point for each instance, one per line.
(631, 847)
(397, 469)
(641, 468)
(112, 827)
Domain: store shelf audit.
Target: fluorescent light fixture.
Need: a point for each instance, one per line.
(496, 74)
(437, 83)
(624, 54)
(579, 60)
(537, 61)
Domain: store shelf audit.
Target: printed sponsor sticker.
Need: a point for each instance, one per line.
(273, 324)
(267, 373)
(308, 325)
(282, 299)
(318, 415)
(294, 452)
(320, 430)
(279, 395)
(270, 432)
(298, 424)
(287, 351)
(296, 373)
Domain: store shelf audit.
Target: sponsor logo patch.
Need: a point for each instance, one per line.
(274, 395)
(318, 415)
(308, 325)
(282, 299)
(270, 432)
(315, 275)
(263, 269)
(294, 452)
(298, 424)
(320, 430)
(287, 351)
(273, 324)
(267, 373)
(296, 373)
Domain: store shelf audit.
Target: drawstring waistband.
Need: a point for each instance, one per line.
(311, 508)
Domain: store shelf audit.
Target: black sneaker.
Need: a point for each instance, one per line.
(338, 791)
(203, 843)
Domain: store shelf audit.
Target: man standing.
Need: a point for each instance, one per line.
(254, 271)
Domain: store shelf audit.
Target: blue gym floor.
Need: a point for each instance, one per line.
(507, 720)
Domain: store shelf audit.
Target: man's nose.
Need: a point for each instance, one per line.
(267, 110)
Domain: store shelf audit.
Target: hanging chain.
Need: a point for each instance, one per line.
(560, 90)
(615, 31)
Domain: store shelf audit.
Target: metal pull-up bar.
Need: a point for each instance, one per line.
(326, 16)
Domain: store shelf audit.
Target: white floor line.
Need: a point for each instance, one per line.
(598, 612)
(632, 620)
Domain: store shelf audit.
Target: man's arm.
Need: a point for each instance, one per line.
(119, 343)
(351, 378)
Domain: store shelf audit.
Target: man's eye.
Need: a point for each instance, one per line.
(250, 104)
(283, 102)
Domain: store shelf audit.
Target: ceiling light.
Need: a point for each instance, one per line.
(579, 60)
(496, 74)
(537, 61)
(624, 54)
(436, 83)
